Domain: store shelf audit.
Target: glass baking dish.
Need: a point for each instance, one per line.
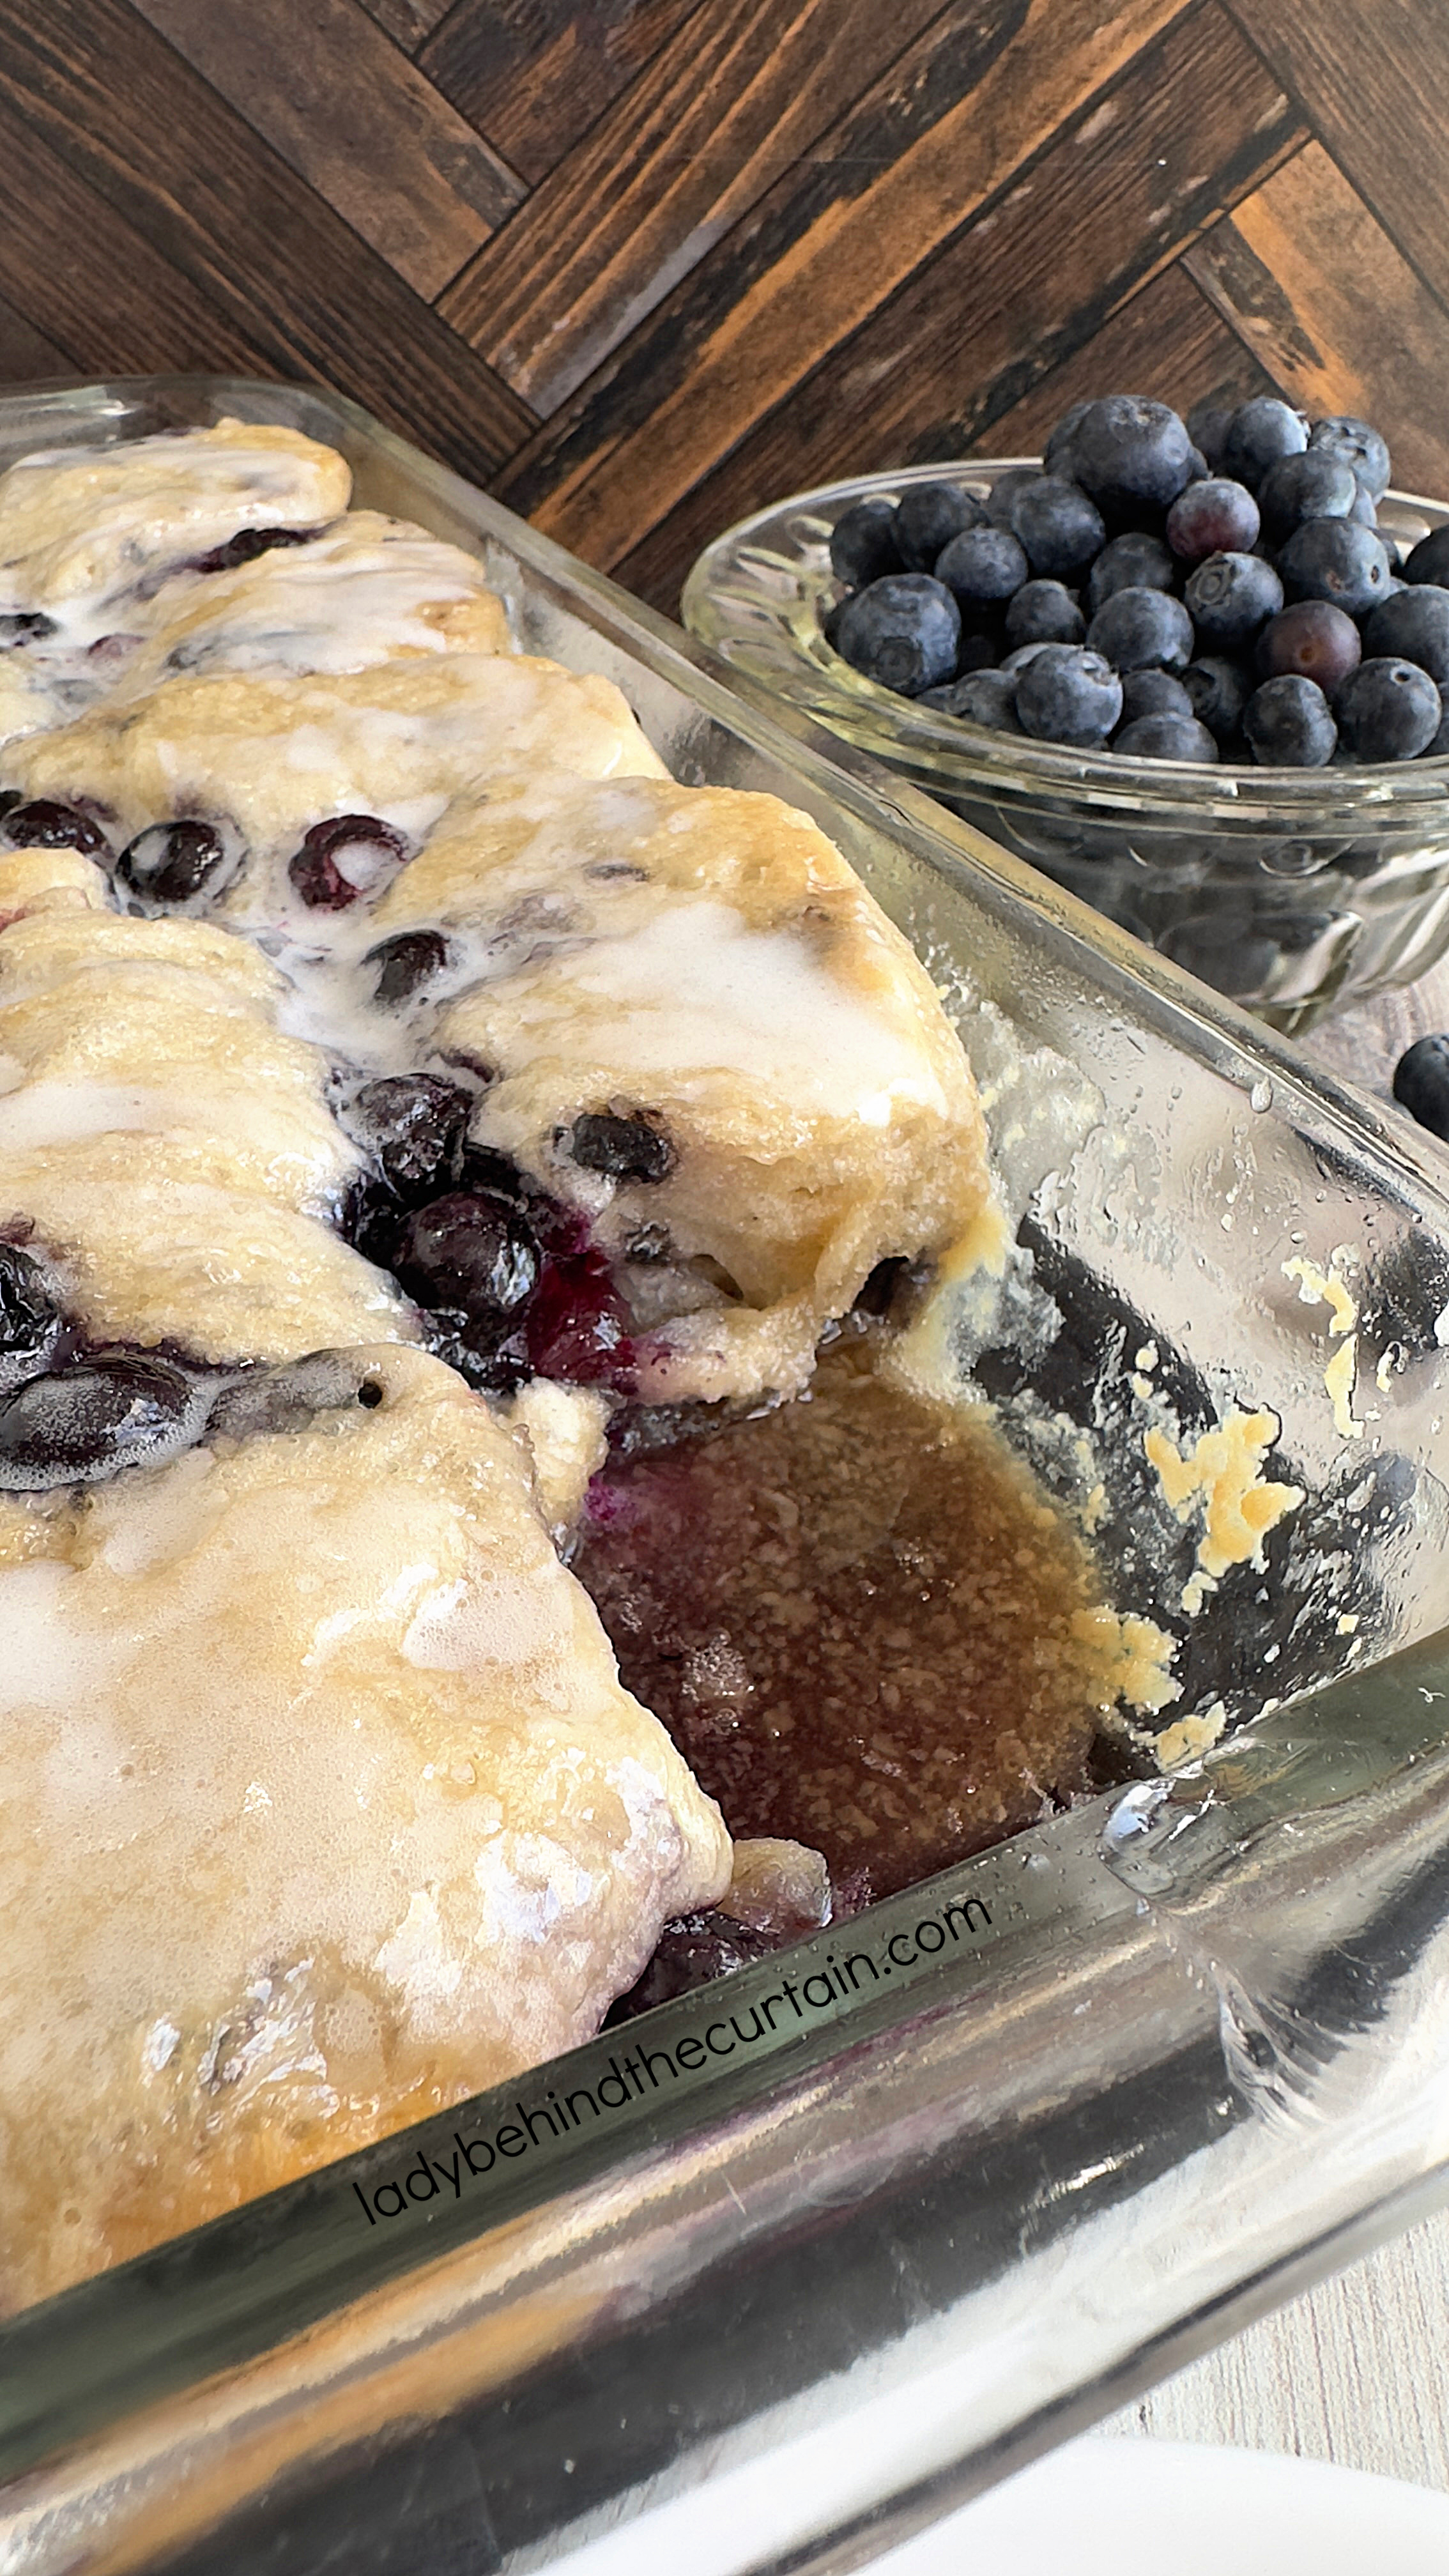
(771, 2276)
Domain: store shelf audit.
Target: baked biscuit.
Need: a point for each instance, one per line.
(368, 589)
(324, 1809)
(166, 1145)
(702, 967)
(82, 529)
(267, 757)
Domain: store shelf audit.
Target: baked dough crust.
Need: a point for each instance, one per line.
(324, 1809)
(169, 1146)
(369, 589)
(272, 755)
(706, 958)
(82, 528)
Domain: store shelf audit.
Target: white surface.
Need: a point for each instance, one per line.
(1114, 2508)
(1355, 2371)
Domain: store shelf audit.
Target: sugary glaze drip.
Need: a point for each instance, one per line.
(861, 1622)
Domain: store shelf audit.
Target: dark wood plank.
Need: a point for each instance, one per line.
(534, 75)
(1167, 340)
(1374, 81)
(27, 354)
(349, 113)
(984, 88)
(744, 90)
(408, 22)
(252, 246)
(1335, 313)
(109, 294)
(1193, 124)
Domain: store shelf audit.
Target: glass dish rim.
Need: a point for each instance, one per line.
(1363, 798)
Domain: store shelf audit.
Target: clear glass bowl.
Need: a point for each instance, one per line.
(1291, 891)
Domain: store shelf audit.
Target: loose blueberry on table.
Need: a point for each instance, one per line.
(1210, 589)
(1421, 1084)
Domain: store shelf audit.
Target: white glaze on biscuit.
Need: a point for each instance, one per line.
(324, 1809)
(83, 528)
(368, 589)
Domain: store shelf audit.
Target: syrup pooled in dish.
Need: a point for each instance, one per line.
(860, 1621)
(410, 1098)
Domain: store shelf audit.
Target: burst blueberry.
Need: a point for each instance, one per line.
(577, 1328)
(404, 964)
(636, 1148)
(30, 1322)
(24, 626)
(247, 544)
(174, 862)
(473, 1254)
(43, 824)
(415, 1126)
(79, 1425)
(902, 632)
(343, 859)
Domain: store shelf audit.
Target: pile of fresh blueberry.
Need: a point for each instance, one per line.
(1211, 589)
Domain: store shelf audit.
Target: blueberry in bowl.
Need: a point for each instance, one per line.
(1259, 787)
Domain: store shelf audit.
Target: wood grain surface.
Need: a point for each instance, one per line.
(1356, 2371)
(646, 265)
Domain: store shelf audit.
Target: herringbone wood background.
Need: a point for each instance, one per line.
(643, 265)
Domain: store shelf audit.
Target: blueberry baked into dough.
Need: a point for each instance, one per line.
(402, 1081)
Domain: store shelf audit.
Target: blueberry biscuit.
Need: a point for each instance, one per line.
(401, 1078)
